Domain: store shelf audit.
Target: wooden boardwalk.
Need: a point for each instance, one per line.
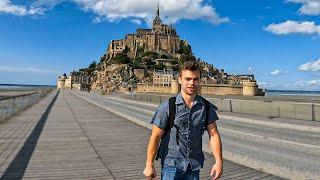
(64, 137)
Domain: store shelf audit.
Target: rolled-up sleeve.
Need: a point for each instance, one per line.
(161, 115)
(212, 116)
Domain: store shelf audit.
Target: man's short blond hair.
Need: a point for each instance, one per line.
(189, 66)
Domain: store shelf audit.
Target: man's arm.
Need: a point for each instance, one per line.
(216, 148)
(153, 146)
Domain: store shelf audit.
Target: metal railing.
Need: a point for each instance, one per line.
(13, 104)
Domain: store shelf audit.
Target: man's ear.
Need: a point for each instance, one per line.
(179, 79)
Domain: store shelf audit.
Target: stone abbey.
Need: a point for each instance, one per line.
(159, 50)
(161, 38)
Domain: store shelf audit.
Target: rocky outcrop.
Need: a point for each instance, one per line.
(113, 78)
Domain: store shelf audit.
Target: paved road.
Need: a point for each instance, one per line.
(65, 137)
(287, 148)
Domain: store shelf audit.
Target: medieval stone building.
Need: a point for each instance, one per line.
(161, 38)
(164, 77)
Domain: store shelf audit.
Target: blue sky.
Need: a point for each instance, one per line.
(276, 40)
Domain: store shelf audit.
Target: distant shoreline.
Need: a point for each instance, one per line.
(22, 87)
(268, 92)
(27, 85)
(291, 93)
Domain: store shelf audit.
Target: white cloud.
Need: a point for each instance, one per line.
(12, 69)
(310, 66)
(278, 72)
(275, 72)
(309, 7)
(250, 69)
(171, 11)
(313, 83)
(136, 21)
(7, 7)
(308, 84)
(290, 27)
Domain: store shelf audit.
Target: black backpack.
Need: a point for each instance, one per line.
(171, 118)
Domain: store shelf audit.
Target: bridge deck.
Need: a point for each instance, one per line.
(73, 139)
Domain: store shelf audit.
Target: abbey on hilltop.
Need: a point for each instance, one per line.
(161, 38)
(148, 61)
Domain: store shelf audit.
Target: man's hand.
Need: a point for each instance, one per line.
(150, 172)
(153, 146)
(216, 148)
(216, 170)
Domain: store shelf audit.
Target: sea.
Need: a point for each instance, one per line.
(9, 87)
(22, 87)
(291, 93)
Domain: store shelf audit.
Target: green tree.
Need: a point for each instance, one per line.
(126, 50)
(121, 58)
(103, 58)
(184, 58)
(164, 56)
(93, 65)
(137, 62)
(185, 49)
(140, 51)
(159, 66)
(150, 54)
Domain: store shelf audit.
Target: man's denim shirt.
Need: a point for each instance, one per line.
(189, 123)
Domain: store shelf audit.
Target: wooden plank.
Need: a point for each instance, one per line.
(82, 141)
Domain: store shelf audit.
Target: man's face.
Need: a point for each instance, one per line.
(189, 81)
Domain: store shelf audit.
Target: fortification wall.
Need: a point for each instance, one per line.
(153, 88)
(273, 109)
(205, 89)
(223, 89)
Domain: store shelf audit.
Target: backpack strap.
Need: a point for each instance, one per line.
(172, 112)
(170, 123)
(172, 116)
(207, 109)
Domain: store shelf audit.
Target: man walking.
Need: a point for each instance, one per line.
(181, 142)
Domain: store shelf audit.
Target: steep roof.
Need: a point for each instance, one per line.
(157, 19)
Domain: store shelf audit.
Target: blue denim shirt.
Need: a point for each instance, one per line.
(189, 123)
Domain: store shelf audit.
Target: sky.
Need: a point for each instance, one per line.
(276, 40)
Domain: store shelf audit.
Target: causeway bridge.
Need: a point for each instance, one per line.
(79, 135)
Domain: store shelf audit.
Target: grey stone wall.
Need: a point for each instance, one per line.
(13, 104)
(281, 109)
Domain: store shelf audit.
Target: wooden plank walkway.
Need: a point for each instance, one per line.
(74, 139)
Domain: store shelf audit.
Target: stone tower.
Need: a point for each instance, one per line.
(250, 88)
(61, 82)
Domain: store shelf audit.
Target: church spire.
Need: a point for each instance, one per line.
(158, 10)
(157, 19)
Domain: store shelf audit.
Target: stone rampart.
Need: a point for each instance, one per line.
(155, 88)
(221, 89)
(217, 89)
(11, 105)
(273, 109)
